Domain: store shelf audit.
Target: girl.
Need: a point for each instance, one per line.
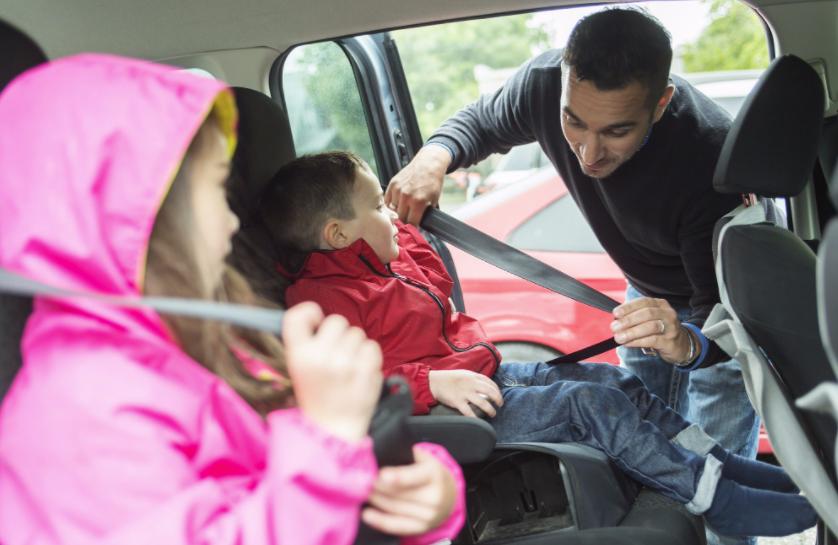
(125, 426)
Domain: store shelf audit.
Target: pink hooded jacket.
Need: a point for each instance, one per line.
(111, 434)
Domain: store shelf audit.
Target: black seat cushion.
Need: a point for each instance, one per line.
(772, 145)
(770, 279)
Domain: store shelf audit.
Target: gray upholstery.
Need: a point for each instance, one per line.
(827, 287)
(18, 52)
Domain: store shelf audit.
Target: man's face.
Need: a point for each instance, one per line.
(606, 128)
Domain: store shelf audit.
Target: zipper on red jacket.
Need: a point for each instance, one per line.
(433, 296)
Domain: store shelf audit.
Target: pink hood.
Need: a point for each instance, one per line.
(110, 434)
(84, 173)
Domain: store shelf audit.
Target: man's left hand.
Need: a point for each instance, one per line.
(651, 323)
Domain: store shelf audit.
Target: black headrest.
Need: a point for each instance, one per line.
(19, 53)
(265, 144)
(772, 145)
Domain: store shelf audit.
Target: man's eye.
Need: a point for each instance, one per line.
(616, 134)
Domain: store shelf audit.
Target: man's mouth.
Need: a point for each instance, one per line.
(595, 168)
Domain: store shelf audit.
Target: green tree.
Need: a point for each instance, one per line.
(324, 103)
(439, 60)
(733, 40)
(322, 97)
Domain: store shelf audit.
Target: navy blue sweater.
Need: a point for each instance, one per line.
(655, 214)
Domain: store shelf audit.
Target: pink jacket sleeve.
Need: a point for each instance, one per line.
(311, 494)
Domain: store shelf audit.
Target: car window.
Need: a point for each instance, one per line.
(719, 46)
(323, 102)
(558, 227)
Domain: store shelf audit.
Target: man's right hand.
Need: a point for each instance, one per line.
(419, 184)
(460, 388)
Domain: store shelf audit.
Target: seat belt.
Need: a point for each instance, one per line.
(514, 261)
(262, 319)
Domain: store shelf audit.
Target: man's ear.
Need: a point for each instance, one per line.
(663, 102)
(333, 236)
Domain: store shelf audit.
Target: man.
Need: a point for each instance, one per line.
(637, 150)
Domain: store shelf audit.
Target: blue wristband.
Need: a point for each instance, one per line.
(446, 147)
(703, 342)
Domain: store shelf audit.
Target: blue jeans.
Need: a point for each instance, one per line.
(610, 409)
(713, 397)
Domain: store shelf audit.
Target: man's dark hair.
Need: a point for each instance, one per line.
(617, 46)
(304, 194)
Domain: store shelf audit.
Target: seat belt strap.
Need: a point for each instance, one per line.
(585, 353)
(262, 319)
(514, 261)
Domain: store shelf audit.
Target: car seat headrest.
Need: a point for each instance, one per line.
(772, 144)
(265, 144)
(20, 53)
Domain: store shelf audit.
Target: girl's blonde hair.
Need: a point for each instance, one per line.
(171, 271)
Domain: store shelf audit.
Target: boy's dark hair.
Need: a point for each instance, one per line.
(614, 47)
(304, 194)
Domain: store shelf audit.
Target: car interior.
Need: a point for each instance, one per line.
(781, 321)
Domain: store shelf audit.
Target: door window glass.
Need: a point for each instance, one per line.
(324, 103)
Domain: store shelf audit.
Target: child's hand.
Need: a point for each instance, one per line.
(458, 388)
(335, 370)
(413, 499)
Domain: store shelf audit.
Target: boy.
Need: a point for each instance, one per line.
(344, 249)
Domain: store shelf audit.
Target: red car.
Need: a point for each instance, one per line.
(525, 321)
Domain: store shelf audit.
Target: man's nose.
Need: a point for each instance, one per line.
(233, 223)
(591, 150)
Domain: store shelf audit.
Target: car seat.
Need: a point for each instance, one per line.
(768, 318)
(824, 398)
(20, 53)
(517, 493)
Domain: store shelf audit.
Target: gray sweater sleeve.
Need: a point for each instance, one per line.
(494, 123)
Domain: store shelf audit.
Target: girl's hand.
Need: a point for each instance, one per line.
(335, 370)
(412, 499)
(459, 388)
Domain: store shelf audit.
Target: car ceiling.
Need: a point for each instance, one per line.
(158, 29)
(172, 29)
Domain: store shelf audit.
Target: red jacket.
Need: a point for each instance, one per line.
(405, 306)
